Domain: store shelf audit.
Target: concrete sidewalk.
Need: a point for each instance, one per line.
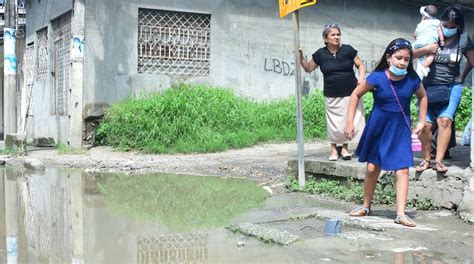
(448, 187)
(439, 235)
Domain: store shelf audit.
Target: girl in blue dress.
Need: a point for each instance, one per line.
(386, 141)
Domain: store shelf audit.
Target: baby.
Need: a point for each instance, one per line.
(427, 31)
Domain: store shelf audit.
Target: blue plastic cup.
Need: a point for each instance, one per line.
(332, 227)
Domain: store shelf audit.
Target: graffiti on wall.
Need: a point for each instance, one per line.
(77, 47)
(276, 60)
(279, 66)
(9, 56)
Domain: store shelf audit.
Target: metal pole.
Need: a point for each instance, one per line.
(299, 107)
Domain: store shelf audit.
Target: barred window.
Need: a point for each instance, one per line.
(173, 42)
(42, 54)
(61, 62)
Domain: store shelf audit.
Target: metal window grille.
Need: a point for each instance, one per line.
(28, 64)
(62, 50)
(173, 42)
(42, 54)
(173, 248)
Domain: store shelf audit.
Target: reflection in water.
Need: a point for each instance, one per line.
(415, 257)
(173, 248)
(68, 216)
(181, 203)
(38, 211)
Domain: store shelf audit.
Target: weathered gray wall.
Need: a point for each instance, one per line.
(44, 124)
(250, 45)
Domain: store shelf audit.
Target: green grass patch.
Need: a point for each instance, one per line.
(64, 149)
(10, 151)
(353, 191)
(186, 119)
(181, 203)
(192, 118)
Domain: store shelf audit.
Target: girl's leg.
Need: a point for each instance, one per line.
(402, 193)
(370, 182)
(402, 190)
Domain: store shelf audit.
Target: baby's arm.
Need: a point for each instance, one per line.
(440, 36)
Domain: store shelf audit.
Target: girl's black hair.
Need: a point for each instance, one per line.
(393, 46)
(453, 14)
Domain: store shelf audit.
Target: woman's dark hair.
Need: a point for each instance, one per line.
(453, 14)
(392, 47)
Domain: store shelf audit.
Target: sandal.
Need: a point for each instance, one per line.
(360, 211)
(439, 167)
(404, 220)
(333, 157)
(424, 165)
(347, 156)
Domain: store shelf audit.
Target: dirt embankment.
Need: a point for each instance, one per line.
(265, 163)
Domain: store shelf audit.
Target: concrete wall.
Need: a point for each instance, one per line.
(250, 46)
(44, 123)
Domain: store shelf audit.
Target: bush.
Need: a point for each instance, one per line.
(463, 115)
(188, 119)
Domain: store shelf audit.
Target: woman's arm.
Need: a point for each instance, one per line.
(422, 108)
(308, 66)
(468, 67)
(440, 36)
(360, 68)
(430, 48)
(358, 92)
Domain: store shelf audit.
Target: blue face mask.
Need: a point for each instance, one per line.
(397, 71)
(449, 32)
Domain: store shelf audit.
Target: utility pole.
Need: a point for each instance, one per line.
(9, 73)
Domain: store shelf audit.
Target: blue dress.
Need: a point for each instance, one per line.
(386, 140)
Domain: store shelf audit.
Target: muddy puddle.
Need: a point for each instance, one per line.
(70, 216)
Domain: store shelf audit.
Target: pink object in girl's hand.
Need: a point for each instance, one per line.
(415, 143)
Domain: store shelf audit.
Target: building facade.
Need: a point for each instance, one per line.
(86, 55)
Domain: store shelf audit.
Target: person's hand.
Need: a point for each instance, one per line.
(300, 50)
(419, 127)
(431, 48)
(349, 130)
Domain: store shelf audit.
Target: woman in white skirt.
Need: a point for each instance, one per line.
(336, 62)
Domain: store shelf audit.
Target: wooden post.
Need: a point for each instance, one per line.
(299, 106)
